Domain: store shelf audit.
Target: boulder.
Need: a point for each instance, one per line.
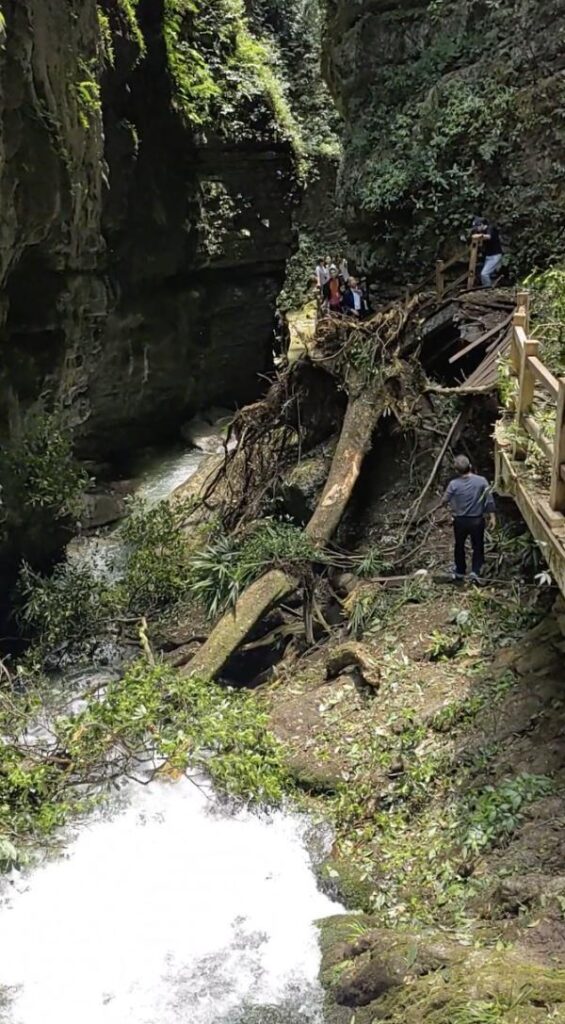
(101, 509)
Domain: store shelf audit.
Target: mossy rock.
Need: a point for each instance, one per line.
(498, 989)
(425, 977)
(344, 882)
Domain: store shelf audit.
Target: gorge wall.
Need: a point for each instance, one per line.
(147, 176)
(450, 108)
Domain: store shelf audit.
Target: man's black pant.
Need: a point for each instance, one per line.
(473, 527)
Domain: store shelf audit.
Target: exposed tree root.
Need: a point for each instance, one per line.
(354, 654)
(368, 366)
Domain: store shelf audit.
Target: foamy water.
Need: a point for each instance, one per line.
(162, 474)
(168, 911)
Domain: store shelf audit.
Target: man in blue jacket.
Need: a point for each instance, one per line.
(470, 499)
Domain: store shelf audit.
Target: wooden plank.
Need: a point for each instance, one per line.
(545, 377)
(508, 482)
(552, 518)
(482, 340)
(557, 493)
(454, 285)
(461, 257)
(440, 279)
(539, 437)
(520, 336)
(476, 243)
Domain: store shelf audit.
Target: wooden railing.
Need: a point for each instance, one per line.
(528, 367)
(470, 257)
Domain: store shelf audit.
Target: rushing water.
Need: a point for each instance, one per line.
(158, 475)
(167, 908)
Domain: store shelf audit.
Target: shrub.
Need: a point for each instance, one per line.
(38, 471)
(222, 570)
(154, 721)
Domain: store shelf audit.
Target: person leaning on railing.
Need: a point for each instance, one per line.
(491, 248)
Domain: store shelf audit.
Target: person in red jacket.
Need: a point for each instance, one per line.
(332, 291)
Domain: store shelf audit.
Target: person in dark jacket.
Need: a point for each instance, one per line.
(470, 499)
(491, 249)
(354, 301)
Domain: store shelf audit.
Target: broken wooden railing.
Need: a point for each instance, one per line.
(470, 257)
(531, 372)
(543, 512)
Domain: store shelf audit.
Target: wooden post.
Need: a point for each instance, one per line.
(523, 299)
(440, 279)
(526, 391)
(557, 494)
(473, 260)
(515, 352)
(527, 378)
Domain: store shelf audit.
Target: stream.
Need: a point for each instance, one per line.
(165, 907)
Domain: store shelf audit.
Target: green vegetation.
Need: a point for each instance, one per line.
(153, 722)
(425, 796)
(490, 816)
(165, 565)
(87, 91)
(369, 608)
(217, 65)
(128, 10)
(444, 133)
(548, 315)
(220, 572)
(40, 480)
(295, 30)
(106, 38)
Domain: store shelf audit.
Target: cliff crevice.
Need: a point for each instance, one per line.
(141, 252)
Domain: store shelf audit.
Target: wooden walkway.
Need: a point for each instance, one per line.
(542, 507)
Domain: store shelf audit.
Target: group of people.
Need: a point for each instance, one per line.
(340, 291)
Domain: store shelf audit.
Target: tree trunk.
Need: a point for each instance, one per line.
(361, 418)
(232, 629)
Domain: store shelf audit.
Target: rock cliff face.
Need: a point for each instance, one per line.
(140, 252)
(451, 108)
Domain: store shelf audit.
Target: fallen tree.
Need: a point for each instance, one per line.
(367, 360)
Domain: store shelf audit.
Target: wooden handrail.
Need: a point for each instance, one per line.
(545, 377)
(530, 370)
(468, 256)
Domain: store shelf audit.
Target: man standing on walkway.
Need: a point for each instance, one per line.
(491, 249)
(470, 499)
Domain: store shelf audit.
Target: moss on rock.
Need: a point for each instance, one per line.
(347, 883)
(425, 977)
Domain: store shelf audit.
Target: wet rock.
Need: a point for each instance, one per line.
(101, 509)
(203, 435)
(345, 883)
